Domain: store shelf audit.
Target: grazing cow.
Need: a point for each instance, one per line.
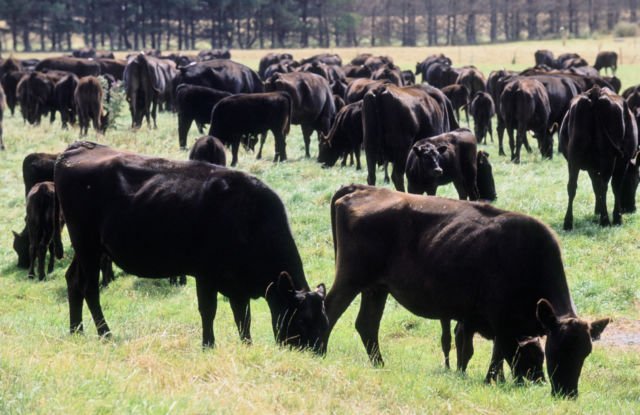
(195, 103)
(209, 149)
(393, 118)
(270, 111)
(113, 67)
(313, 104)
(222, 226)
(422, 68)
(9, 83)
(43, 227)
(606, 59)
(482, 110)
(280, 67)
(599, 134)
(438, 259)
(271, 59)
(344, 138)
(2, 108)
(78, 66)
(63, 92)
(545, 57)
(445, 158)
(147, 80)
(525, 106)
(220, 74)
(88, 100)
(459, 97)
(484, 177)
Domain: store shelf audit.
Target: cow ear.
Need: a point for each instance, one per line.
(284, 284)
(546, 315)
(442, 149)
(597, 327)
(322, 290)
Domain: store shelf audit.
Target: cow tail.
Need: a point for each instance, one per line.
(287, 127)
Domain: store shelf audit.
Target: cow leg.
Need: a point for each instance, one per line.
(460, 188)
(464, 345)
(386, 172)
(75, 297)
(617, 181)
(306, 135)
(525, 141)
(490, 131)
(368, 322)
(242, 316)
(42, 258)
(154, 111)
(336, 302)
(207, 303)
(358, 165)
(572, 185)
(32, 256)
(466, 114)
(445, 340)
(263, 138)
(496, 371)
(235, 145)
(521, 136)
(52, 257)
(371, 168)
(344, 159)
(184, 124)
(500, 128)
(600, 184)
(90, 276)
(512, 146)
(107, 270)
(397, 175)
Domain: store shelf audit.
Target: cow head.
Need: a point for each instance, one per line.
(21, 246)
(327, 154)
(298, 316)
(430, 157)
(568, 344)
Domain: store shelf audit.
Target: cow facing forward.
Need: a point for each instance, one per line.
(224, 227)
(448, 259)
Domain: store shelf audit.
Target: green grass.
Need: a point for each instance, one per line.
(154, 363)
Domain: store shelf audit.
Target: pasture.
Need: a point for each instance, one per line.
(154, 362)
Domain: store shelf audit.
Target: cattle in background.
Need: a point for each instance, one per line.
(78, 66)
(272, 59)
(459, 97)
(472, 79)
(92, 53)
(484, 178)
(599, 134)
(440, 75)
(615, 83)
(63, 92)
(88, 100)
(220, 74)
(545, 57)
(376, 62)
(496, 82)
(447, 274)
(2, 108)
(353, 71)
(344, 138)
(177, 211)
(388, 73)
(327, 58)
(211, 54)
(270, 111)
(563, 58)
(9, 65)
(208, 149)
(44, 220)
(360, 58)
(422, 68)
(442, 159)
(393, 118)
(313, 103)
(147, 81)
(35, 95)
(525, 106)
(632, 96)
(408, 78)
(195, 103)
(358, 88)
(482, 109)
(9, 83)
(606, 59)
(113, 67)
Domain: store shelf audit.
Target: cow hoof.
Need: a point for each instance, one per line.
(568, 226)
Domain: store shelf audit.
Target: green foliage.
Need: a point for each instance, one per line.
(625, 29)
(117, 103)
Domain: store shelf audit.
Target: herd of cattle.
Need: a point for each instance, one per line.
(167, 219)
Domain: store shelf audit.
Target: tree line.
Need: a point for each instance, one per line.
(191, 24)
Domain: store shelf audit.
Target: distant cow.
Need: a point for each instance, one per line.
(80, 67)
(614, 82)
(438, 259)
(545, 57)
(388, 73)
(63, 92)
(344, 138)
(35, 95)
(327, 58)
(358, 88)
(607, 59)
(208, 149)
(195, 103)
(9, 83)
(220, 74)
(482, 109)
(271, 59)
(442, 159)
(270, 111)
(113, 67)
(486, 183)
(422, 68)
(525, 106)
(210, 54)
(408, 78)
(599, 134)
(472, 79)
(88, 100)
(313, 104)
(459, 97)
(224, 227)
(44, 227)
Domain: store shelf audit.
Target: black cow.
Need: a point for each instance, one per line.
(209, 149)
(358, 88)
(78, 66)
(113, 67)
(441, 75)
(438, 259)
(43, 227)
(632, 96)
(445, 158)
(388, 73)
(545, 57)
(313, 103)
(599, 134)
(472, 79)
(9, 83)
(221, 74)
(328, 58)
(271, 59)
(63, 92)
(563, 58)
(88, 101)
(607, 59)
(195, 103)
(422, 68)
(270, 111)
(393, 119)
(615, 83)
(35, 95)
(147, 81)
(525, 106)
(361, 58)
(459, 97)
(484, 178)
(408, 78)
(482, 109)
(222, 226)
(210, 54)
(344, 138)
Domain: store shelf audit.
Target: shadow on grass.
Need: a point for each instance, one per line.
(160, 287)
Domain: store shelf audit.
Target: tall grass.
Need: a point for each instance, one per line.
(154, 363)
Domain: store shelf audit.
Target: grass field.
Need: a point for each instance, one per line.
(154, 363)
